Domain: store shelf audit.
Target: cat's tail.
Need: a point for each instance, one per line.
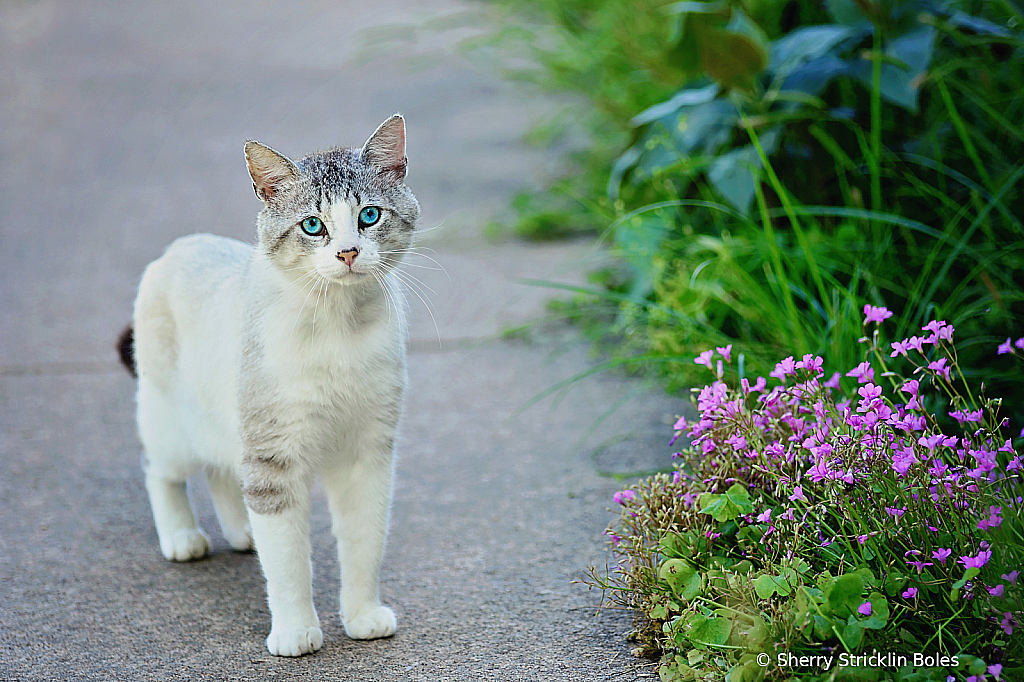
(126, 349)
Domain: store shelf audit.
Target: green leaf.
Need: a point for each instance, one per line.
(822, 628)
(852, 633)
(711, 631)
(765, 586)
(845, 595)
(658, 612)
(879, 612)
(728, 505)
(674, 545)
(683, 578)
(735, 55)
(906, 59)
(968, 575)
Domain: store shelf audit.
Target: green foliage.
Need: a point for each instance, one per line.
(783, 159)
(803, 523)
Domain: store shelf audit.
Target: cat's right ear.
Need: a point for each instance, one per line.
(270, 171)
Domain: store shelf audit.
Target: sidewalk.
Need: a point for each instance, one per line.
(123, 130)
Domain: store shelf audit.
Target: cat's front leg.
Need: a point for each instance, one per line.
(359, 494)
(279, 515)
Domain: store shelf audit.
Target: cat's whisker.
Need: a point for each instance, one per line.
(410, 252)
(426, 303)
(428, 229)
(321, 290)
(388, 300)
(396, 262)
(408, 276)
(313, 274)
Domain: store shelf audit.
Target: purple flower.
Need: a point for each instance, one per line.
(1014, 463)
(902, 461)
(941, 555)
(863, 373)
(1008, 623)
(993, 519)
(725, 352)
(900, 348)
(875, 314)
(864, 609)
(996, 591)
(680, 424)
(1019, 343)
(834, 381)
(977, 561)
(704, 358)
(625, 496)
(798, 494)
(939, 366)
(995, 670)
(1005, 348)
(783, 369)
(910, 593)
(765, 516)
(916, 342)
(910, 387)
(811, 363)
(920, 565)
(1010, 577)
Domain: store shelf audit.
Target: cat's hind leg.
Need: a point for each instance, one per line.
(226, 491)
(167, 466)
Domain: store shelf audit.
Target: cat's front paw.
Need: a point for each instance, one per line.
(187, 544)
(294, 641)
(374, 624)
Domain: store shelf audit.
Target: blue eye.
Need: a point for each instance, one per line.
(312, 226)
(369, 216)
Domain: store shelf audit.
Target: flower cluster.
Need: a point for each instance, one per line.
(909, 475)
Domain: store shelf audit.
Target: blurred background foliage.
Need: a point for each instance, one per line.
(763, 168)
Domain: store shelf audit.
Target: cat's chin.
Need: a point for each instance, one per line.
(350, 278)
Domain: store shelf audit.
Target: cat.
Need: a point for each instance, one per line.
(268, 365)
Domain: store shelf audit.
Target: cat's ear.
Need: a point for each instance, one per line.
(385, 149)
(271, 172)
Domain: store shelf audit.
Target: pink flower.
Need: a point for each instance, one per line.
(765, 516)
(1008, 622)
(864, 609)
(900, 348)
(624, 497)
(834, 381)
(1010, 577)
(939, 366)
(1005, 348)
(977, 561)
(725, 352)
(863, 373)
(1019, 343)
(811, 363)
(996, 591)
(783, 369)
(941, 555)
(875, 314)
(995, 670)
(798, 494)
(704, 358)
(910, 593)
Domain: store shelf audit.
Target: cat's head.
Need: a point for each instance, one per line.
(344, 213)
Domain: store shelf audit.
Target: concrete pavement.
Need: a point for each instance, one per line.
(122, 129)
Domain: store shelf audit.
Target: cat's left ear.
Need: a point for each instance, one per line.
(270, 171)
(385, 149)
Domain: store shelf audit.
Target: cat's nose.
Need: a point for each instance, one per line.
(348, 255)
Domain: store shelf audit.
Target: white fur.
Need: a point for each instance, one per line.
(219, 329)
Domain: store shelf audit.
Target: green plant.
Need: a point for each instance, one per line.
(808, 528)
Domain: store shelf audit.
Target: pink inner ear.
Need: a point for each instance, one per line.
(268, 169)
(386, 147)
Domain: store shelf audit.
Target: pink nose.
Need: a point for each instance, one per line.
(348, 255)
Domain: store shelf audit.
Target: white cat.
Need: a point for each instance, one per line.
(266, 366)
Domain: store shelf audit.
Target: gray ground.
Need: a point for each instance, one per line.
(121, 128)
